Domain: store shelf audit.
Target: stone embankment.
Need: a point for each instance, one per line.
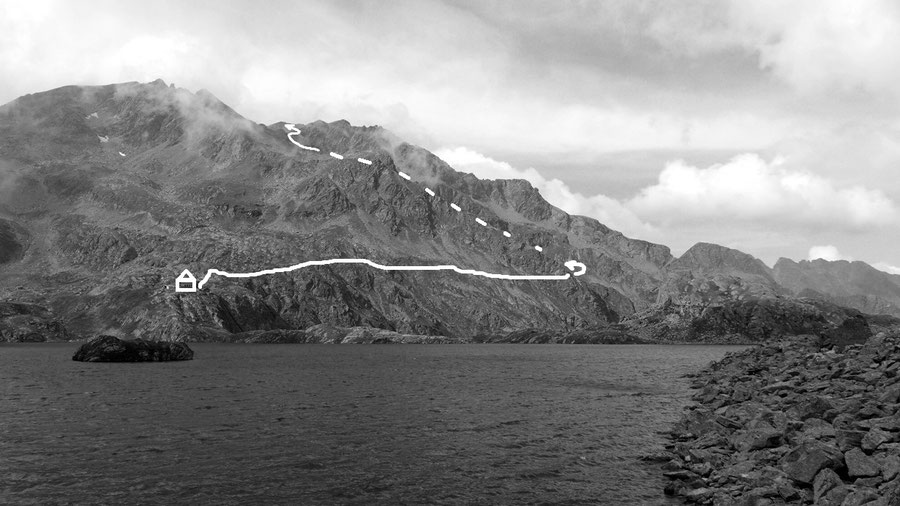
(802, 421)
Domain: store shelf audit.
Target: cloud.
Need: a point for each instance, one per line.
(607, 210)
(813, 80)
(827, 252)
(831, 253)
(890, 269)
(749, 189)
(746, 203)
(824, 45)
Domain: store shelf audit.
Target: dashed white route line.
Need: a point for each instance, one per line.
(293, 130)
(577, 269)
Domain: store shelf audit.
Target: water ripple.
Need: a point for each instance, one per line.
(291, 424)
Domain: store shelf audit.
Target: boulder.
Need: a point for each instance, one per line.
(859, 497)
(835, 497)
(806, 460)
(859, 464)
(810, 407)
(854, 330)
(848, 439)
(113, 349)
(875, 438)
(824, 482)
(888, 423)
(756, 439)
(890, 467)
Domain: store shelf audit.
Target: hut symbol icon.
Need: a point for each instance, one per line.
(186, 282)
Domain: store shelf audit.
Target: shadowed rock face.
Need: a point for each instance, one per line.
(113, 349)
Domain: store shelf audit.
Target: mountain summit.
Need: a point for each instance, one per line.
(108, 193)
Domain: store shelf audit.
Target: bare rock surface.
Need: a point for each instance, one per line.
(113, 349)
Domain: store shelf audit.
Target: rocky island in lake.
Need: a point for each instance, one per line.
(113, 349)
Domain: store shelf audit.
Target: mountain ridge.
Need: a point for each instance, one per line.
(108, 192)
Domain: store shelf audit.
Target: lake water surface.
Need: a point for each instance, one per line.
(342, 424)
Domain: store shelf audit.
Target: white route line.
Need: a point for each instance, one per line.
(293, 130)
(296, 131)
(578, 269)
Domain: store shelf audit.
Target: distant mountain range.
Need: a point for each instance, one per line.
(107, 193)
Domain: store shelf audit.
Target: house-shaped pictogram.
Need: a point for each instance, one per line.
(186, 282)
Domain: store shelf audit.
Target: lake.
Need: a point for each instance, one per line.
(342, 424)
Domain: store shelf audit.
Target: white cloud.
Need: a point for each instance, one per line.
(746, 203)
(749, 189)
(608, 211)
(827, 252)
(890, 269)
(824, 45)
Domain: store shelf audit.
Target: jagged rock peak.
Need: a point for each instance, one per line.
(708, 256)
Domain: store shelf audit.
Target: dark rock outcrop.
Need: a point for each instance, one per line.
(29, 323)
(854, 330)
(113, 349)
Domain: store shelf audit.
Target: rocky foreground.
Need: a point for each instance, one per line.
(802, 421)
(113, 349)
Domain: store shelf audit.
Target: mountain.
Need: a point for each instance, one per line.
(107, 193)
(853, 284)
(708, 273)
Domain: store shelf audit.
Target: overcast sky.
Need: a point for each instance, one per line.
(771, 126)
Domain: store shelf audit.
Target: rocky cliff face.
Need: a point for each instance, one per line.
(107, 193)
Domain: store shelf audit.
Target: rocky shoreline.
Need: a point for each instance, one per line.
(809, 420)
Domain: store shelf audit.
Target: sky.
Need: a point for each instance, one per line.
(770, 126)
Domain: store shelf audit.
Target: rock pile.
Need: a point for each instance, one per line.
(804, 421)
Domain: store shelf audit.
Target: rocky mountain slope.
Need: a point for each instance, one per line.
(107, 193)
(853, 284)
